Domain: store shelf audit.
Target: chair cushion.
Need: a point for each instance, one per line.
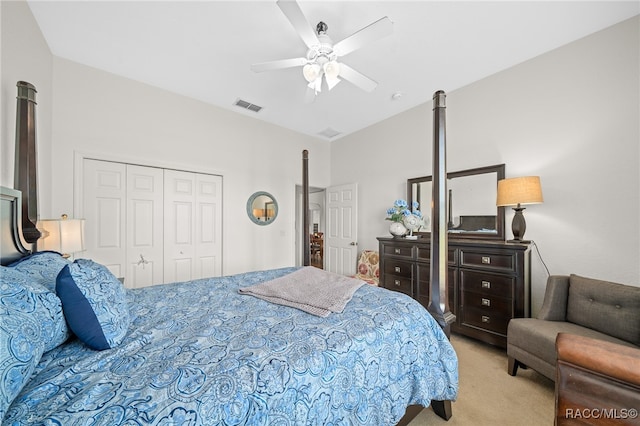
(538, 337)
(368, 267)
(608, 307)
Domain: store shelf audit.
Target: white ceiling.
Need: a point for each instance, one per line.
(204, 49)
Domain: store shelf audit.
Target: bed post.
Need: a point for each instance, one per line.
(438, 303)
(438, 300)
(25, 179)
(306, 243)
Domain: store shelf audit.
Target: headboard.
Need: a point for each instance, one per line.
(13, 246)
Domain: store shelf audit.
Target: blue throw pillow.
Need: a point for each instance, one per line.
(94, 303)
(25, 320)
(43, 267)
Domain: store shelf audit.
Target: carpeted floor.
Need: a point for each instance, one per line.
(488, 395)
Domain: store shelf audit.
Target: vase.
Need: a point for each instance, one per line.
(397, 229)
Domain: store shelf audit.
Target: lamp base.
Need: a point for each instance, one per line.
(518, 225)
(519, 241)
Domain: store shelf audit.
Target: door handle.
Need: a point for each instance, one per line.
(353, 243)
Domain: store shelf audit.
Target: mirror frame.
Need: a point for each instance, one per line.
(250, 201)
(499, 169)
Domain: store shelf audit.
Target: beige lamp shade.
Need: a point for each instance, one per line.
(520, 190)
(65, 236)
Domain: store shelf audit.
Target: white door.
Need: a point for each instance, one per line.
(193, 226)
(144, 227)
(341, 237)
(104, 202)
(208, 227)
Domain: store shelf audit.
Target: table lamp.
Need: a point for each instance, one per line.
(516, 192)
(63, 235)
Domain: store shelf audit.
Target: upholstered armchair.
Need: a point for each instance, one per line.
(368, 267)
(576, 305)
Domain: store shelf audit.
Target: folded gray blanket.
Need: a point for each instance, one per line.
(310, 289)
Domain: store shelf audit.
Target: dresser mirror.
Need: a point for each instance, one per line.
(471, 202)
(262, 208)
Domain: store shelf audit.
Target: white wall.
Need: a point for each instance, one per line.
(570, 116)
(25, 57)
(84, 111)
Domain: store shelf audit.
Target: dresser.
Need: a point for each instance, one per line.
(488, 281)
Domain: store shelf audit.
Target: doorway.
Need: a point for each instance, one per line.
(317, 225)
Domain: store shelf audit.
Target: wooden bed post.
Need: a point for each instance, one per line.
(306, 243)
(438, 307)
(438, 302)
(25, 179)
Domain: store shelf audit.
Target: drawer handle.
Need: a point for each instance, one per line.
(397, 269)
(397, 283)
(486, 260)
(485, 319)
(396, 251)
(486, 284)
(486, 302)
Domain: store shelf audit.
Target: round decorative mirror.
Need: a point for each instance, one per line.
(262, 208)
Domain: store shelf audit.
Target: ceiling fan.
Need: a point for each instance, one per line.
(322, 56)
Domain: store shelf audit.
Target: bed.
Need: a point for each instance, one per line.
(201, 353)
(77, 348)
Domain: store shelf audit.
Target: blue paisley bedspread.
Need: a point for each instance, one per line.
(199, 353)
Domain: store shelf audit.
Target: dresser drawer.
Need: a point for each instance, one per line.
(398, 251)
(399, 268)
(488, 260)
(485, 319)
(397, 283)
(487, 283)
(489, 304)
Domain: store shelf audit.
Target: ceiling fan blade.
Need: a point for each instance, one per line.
(356, 78)
(381, 28)
(294, 14)
(277, 65)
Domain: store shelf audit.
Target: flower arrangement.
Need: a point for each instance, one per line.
(400, 211)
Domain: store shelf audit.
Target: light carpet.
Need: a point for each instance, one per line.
(488, 395)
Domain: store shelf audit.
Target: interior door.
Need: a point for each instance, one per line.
(208, 237)
(193, 226)
(145, 209)
(104, 202)
(341, 238)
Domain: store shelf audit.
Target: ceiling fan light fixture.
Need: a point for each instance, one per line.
(332, 69)
(316, 85)
(331, 82)
(311, 72)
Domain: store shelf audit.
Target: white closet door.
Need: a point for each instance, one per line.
(179, 224)
(104, 210)
(208, 236)
(144, 229)
(193, 226)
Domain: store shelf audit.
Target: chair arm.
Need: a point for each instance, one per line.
(608, 359)
(597, 382)
(554, 306)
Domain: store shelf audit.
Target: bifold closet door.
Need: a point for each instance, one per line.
(192, 225)
(150, 225)
(144, 227)
(104, 201)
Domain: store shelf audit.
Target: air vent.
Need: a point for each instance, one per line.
(329, 133)
(248, 105)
